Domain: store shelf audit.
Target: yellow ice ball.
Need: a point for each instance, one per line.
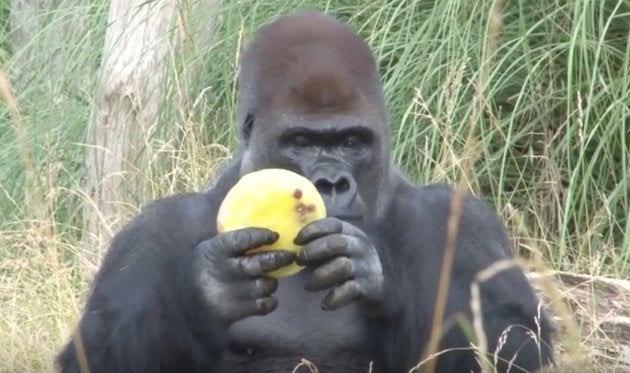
(277, 199)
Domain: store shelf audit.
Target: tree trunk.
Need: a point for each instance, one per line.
(138, 41)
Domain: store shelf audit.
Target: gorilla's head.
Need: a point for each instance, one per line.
(311, 101)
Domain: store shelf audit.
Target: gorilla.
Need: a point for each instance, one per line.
(173, 295)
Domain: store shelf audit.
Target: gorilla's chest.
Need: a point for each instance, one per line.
(297, 329)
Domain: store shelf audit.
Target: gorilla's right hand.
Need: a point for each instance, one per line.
(233, 284)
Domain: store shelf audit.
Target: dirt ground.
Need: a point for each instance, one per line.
(598, 308)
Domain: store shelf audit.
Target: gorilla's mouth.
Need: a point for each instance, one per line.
(353, 210)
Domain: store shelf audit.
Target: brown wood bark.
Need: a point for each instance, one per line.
(139, 39)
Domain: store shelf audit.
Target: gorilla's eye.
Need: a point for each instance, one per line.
(301, 141)
(352, 142)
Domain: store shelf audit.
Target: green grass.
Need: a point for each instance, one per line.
(552, 132)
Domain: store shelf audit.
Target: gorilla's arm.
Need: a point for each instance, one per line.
(169, 288)
(143, 314)
(415, 234)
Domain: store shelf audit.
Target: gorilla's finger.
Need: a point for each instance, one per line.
(241, 309)
(351, 230)
(250, 289)
(264, 287)
(237, 242)
(275, 260)
(265, 305)
(334, 272)
(325, 248)
(317, 229)
(258, 264)
(341, 296)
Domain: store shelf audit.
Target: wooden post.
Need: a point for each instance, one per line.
(140, 36)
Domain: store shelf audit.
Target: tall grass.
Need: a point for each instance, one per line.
(552, 140)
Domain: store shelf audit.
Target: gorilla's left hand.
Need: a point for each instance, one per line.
(343, 258)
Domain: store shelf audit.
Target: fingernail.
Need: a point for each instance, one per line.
(326, 301)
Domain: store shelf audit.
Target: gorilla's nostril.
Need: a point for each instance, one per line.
(324, 186)
(342, 186)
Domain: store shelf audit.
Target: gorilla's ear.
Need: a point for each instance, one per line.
(248, 125)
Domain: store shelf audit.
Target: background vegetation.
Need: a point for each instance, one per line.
(552, 133)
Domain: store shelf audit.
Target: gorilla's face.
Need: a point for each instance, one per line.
(314, 105)
(342, 155)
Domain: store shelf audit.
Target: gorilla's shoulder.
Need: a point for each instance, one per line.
(180, 206)
(183, 219)
(439, 197)
(432, 205)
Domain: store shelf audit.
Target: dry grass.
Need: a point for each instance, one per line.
(40, 299)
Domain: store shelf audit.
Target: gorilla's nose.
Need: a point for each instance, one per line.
(330, 186)
(340, 193)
